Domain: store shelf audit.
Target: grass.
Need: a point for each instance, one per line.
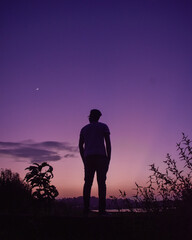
(170, 225)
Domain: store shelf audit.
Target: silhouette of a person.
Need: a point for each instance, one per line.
(95, 151)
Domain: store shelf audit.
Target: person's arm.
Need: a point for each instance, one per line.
(81, 147)
(108, 146)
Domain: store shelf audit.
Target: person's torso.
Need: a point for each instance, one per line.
(93, 135)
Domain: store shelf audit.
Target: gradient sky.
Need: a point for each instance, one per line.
(58, 59)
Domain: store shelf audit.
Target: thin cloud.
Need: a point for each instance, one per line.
(58, 145)
(69, 155)
(37, 152)
(9, 144)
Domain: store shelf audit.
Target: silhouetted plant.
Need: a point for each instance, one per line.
(145, 197)
(39, 177)
(171, 188)
(126, 204)
(15, 193)
(115, 203)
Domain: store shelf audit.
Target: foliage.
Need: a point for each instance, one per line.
(115, 203)
(15, 193)
(127, 203)
(172, 188)
(39, 177)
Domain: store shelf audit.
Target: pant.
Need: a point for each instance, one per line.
(98, 164)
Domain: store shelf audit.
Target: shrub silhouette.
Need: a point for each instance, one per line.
(39, 177)
(15, 193)
(172, 187)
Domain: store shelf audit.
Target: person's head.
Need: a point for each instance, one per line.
(94, 116)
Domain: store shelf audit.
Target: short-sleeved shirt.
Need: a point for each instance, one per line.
(93, 135)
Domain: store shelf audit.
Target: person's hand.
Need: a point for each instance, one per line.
(108, 160)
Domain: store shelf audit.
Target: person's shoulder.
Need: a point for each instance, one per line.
(104, 126)
(85, 127)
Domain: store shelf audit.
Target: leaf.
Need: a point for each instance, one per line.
(44, 164)
(36, 164)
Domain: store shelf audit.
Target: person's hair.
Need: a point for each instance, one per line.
(95, 114)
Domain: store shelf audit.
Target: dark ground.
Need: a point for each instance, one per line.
(114, 227)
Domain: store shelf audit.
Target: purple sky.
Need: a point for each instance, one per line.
(130, 59)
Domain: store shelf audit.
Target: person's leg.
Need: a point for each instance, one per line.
(89, 176)
(101, 179)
